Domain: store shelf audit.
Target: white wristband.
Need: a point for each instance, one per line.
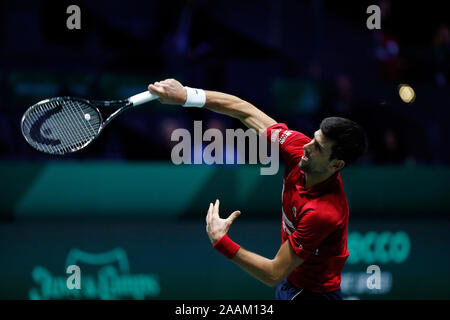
(195, 97)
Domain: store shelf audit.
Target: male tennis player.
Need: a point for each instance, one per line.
(314, 209)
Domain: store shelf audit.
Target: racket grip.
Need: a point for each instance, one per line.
(142, 97)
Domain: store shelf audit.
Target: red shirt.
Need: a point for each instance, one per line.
(314, 219)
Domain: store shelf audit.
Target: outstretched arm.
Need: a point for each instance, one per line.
(171, 91)
(269, 271)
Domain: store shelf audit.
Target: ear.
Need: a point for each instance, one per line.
(337, 165)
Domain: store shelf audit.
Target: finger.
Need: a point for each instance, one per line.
(233, 216)
(208, 215)
(216, 207)
(154, 89)
(154, 85)
(151, 89)
(210, 207)
(209, 212)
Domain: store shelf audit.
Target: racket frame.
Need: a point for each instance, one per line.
(122, 105)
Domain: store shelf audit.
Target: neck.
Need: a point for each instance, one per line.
(313, 179)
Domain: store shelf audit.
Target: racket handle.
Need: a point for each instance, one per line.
(142, 97)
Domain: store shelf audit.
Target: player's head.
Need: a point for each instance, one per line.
(338, 143)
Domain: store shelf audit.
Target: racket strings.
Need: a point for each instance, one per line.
(93, 131)
(72, 136)
(76, 129)
(68, 125)
(55, 126)
(33, 118)
(57, 131)
(78, 137)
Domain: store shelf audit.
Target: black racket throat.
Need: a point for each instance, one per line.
(111, 109)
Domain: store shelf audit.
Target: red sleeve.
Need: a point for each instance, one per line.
(290, 143)
(311, 230)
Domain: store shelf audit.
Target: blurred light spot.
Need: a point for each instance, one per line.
(406, 93)
(392, 47)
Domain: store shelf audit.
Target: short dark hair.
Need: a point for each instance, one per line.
(350, 141)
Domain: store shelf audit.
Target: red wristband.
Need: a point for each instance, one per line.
(227, 247)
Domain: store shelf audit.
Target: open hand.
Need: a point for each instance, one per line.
(215, 226)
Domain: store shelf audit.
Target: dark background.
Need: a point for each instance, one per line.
(298, 61)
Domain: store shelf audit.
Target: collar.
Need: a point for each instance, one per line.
(320, 188)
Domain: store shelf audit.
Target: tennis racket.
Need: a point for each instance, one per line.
(64, 124)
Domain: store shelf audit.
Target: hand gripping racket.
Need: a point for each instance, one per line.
(64, 124)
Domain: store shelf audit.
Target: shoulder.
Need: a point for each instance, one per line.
(280, 132)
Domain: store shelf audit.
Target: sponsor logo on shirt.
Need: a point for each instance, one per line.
(275, 135)
(284, 136)
(287, 224)
(281, 138)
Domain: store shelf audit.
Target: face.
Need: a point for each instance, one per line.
(317, 156)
